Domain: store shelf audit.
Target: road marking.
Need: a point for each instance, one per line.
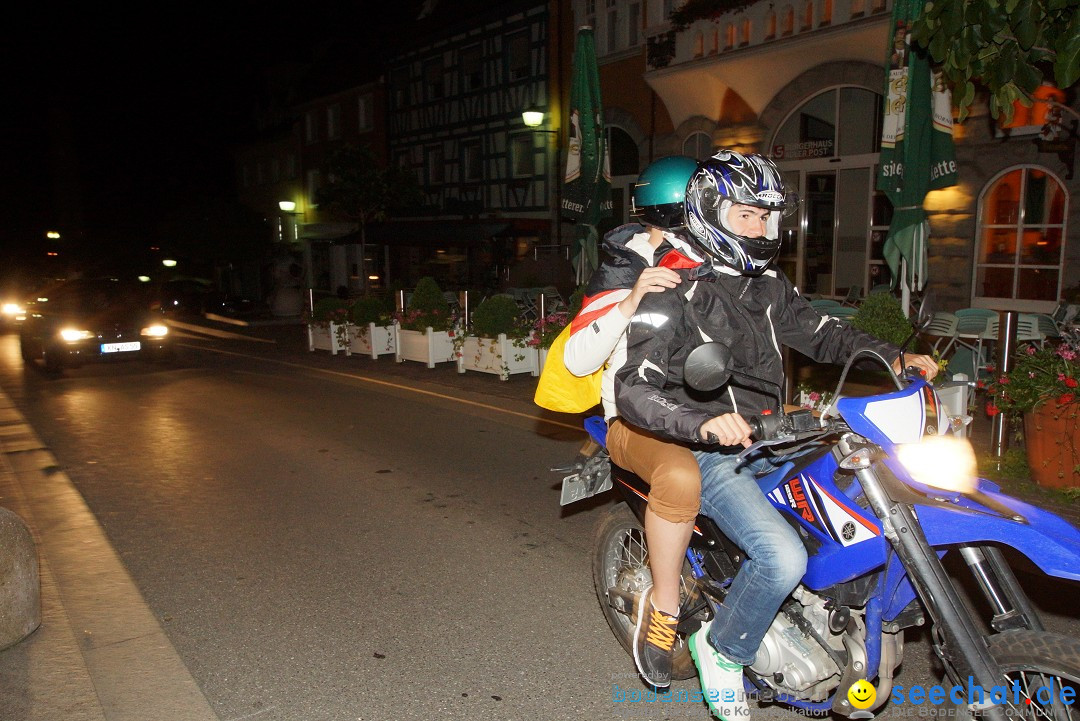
(398, 386)
(216, 333)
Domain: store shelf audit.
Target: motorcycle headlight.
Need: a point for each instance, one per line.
(156, 331)
(944, 462)
(74, 334)
(12, 309)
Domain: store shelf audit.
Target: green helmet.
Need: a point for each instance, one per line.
(660, 190)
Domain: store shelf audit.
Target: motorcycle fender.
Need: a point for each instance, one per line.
(1046, 539)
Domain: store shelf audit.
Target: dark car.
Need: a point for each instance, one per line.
(83, 320)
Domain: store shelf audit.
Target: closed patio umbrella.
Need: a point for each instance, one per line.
(587, 189)
(917, 153)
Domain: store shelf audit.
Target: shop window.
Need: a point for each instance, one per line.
(1020, 237)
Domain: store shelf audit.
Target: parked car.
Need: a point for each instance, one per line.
(77, 321)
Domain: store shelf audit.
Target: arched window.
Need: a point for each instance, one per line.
(826, 12)
(699, 45)
(808, 15)
(788, 26)
(729, 36)
(698, 146)
(744, 32)
(1021, 238)
(770, 25)
(858, 7)
(714, 44)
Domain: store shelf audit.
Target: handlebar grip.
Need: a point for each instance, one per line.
(766, 427)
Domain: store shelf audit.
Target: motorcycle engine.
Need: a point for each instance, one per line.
(791, 660)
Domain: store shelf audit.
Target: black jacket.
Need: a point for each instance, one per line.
(754, 317)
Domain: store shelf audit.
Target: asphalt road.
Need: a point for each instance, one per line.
(324, 542)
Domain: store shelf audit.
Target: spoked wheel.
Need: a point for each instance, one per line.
(620, 574)
(1041, 670)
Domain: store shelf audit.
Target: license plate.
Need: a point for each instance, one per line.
(120, 347)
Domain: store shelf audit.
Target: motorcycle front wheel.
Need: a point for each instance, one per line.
(1040, 670)
(620, 567)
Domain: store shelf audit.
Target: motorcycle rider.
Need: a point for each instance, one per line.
(640, 258)
(734, 204)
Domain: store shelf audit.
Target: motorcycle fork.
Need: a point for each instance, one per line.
(962, 646)
(1011, 607)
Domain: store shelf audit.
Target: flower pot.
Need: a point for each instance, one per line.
(328, 336)
(1052, 440)
(499, 356)
(373, 340)
(428, 347)
(541, 359)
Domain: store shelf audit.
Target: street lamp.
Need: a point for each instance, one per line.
(289, 207)
(533, 117)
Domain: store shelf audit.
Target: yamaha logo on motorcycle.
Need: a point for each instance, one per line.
(885, 488)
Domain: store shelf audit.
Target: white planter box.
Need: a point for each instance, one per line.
(541, 359)
(499, 356)
(328, 337)
(373, 340)
(430, 347)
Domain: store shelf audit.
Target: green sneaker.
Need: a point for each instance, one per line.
(721, 679)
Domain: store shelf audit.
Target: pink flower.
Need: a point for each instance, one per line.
(1003, 380)
(1067, 353)
(1030, 350)
(815, 396)
(1061, 376)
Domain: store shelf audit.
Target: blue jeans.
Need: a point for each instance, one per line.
(775, 556)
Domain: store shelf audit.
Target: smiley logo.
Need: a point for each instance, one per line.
(861, 694)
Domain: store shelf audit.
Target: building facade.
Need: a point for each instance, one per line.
(802, 81)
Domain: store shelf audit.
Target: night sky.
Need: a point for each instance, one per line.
(118, 115)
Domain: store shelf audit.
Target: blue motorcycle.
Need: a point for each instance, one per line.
(885, 487)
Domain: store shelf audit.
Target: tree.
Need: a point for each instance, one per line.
(361, 190)
(1008, 46)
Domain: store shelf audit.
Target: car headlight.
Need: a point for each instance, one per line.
(944, 462)
(12, 310)
(156, 331)
(74, 334)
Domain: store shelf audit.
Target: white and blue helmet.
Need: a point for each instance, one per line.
(730, 178)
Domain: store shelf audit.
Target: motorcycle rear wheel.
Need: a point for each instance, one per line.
(1036, 659)
(621, 560)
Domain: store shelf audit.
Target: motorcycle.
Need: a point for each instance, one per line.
(884, 489)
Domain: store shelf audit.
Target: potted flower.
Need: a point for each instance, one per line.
(498, 340)
(547, 328)
(372, 326)
(425, 329)
(328, 326)
(1042, 387)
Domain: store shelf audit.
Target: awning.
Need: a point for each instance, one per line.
(429, 233)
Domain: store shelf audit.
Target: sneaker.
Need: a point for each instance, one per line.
(721, 679)
(654, 640)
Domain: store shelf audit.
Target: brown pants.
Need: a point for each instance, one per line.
(669, 468)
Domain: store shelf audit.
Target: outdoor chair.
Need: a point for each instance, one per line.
(1046, 326)
(824, 305)
(971, 326)
(853, 296)
(942, 327)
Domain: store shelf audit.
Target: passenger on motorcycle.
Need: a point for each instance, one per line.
(734, 204)
(640, 258)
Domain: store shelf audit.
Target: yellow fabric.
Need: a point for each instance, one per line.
(560, 390)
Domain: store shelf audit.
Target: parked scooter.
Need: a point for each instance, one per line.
(885, 488)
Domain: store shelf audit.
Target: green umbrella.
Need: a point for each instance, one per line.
(917, 152)
(587, 189)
